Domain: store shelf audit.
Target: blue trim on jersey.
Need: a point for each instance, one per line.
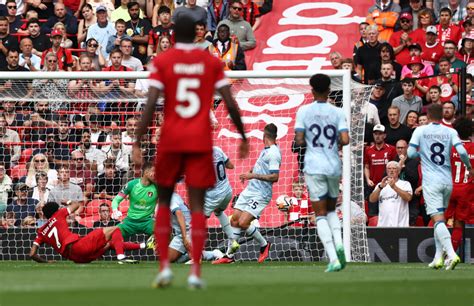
(321, 218)
(436, 224)
(344, 130)
(457, 144)
(274, 171)
(413, 145)
(174, 210)
(321, 101)
(299, 129)
(323, 197)
(252, 232)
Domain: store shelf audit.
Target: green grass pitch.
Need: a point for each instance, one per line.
(271, 283)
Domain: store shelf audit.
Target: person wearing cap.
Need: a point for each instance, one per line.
(122, 12)
(432, 50)
(416, 71)
(384, 14)
(378, 98)
(61, 15)
(416, 8)
(165, 28)
(446, 29)
(466, 53)
(394, 129)
(376, 157)
(415, 51)
(23, 206)
(138, 28)
(402, 39)
(408, 101)
(101, 30)
(63, 56)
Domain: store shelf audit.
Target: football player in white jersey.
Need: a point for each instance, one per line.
(322, 126)
(256, 196)
(433, 144)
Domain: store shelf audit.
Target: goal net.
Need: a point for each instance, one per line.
(86, 121)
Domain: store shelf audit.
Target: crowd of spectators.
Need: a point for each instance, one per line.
(66, 140)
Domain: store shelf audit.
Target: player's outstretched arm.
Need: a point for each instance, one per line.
(344, 138)
(234, 114)
(147, 116)
(73, 206)
(34, 256)
(182, 227)
(465, 158)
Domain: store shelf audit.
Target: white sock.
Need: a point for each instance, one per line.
(120, 256)
(255, 233)
(439, 248)
(335, 226)
(324, 233)
(444, 238)
(207, 255)
(224, 221)
(142, 245)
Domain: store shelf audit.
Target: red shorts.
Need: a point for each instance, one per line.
(460, 203)
(89, 247)
(198, 169)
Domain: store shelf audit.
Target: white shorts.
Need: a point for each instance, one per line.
(219, 204)
(254, 204)
(177, 244)
(436, 198)
(322, 186)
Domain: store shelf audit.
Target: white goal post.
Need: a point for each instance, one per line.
(352, 95)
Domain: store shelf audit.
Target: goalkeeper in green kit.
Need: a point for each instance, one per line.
(142, 194)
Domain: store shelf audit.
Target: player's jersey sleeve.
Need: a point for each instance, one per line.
(455, 138)
(175, 201)
(155, 76)
(415, 138)
(274, 160)
(299, 120)
(39, 240)
(342, 122)
(127, 189)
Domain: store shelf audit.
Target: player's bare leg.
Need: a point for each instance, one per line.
(335, 225)
(198, 235)
(443, 236)
(325, 235)
(162, 234)
(245, 223)
(115, 238)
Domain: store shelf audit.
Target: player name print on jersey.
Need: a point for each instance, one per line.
(192, 69)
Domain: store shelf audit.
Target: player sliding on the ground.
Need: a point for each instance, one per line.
(187, 77)
(142, 194)
(256, 196)
(323, 127)
(179, 248)
(433, 143)
(56, 233)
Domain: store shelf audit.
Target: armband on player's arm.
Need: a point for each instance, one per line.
(463, 156)
(412, 151)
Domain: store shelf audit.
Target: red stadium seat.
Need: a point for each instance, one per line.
(88, 221)
(25, 156)
(419, 221)
(92, 208)
(18, 171)
(373, 221)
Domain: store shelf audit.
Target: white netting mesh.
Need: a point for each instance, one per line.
(53, 119)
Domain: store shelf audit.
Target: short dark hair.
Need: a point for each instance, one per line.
(12, 51)
(184, 29)
(120, 21)
(104, 205)
(236, 1)
(451, 42)
(116, 132)
(435, 87)
(163, 9)
(117, 50)
(3, 18)
(444, 59)
(320, 83)
(31, 21)
(408, 81)
(435, 111)
(147, 165)
(446, 9)
(200, 23)
(270, 131)
(50, 208)
(132, 4)
(224, 26)
(463, 126)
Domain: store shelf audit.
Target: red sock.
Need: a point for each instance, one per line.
(198, 238)
(456, 237)
(162, 234)
(131, 246)
(117, 241)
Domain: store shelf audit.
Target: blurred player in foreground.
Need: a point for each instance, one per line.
(323, 127)
(56, 233)
(187, 77)
(434, 143)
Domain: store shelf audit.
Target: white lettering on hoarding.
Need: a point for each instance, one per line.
(341, 16)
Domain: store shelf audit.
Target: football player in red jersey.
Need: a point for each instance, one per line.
(187, 77)
(71, 246)
(462, 198)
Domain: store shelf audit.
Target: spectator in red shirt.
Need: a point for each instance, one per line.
(402, 39)
(65, 60)
(251, 13)
(447, 30)
(415, 66)
(425, 19)
(300, 207)
(446, 81)
(432, 50)
(449, 111)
